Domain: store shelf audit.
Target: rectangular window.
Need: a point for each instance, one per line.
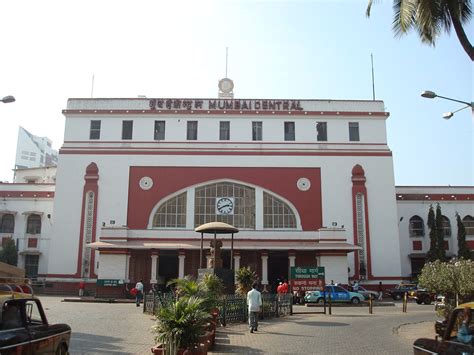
(289, 131)
(159, 130)
(31, 266)
(127, 129)
(257, 131)
(354, 131)
(192, 131)
(95, 130)
(322, 129)
(224, 130)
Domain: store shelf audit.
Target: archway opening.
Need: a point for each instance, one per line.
(277, 268)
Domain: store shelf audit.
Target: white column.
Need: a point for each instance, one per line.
(236, 266)
(127, 268)
(258, 208)
(181, 257)
(264, 271)
(292, 259)
(154, 267)
(208, 261)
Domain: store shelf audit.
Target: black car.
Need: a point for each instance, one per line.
(398, 292)
(421, 295)
(24, 328)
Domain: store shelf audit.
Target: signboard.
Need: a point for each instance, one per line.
(307, 278)
(227, 104)
(109, 282)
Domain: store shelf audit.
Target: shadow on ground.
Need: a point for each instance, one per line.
(234, 349)
(84, 343)
(324, 324)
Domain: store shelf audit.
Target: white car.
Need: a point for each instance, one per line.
(368, 293)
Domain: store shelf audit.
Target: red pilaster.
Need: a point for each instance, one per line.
(358, 187)
(91, 179)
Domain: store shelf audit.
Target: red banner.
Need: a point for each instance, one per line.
(307, 284)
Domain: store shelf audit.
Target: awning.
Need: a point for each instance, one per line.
(417, 255)
(30, 252)
(238, 245)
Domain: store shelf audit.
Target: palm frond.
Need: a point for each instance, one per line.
(404, 16)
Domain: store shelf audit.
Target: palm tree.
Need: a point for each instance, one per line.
(180, 324)
(245, 278)
(430, 18)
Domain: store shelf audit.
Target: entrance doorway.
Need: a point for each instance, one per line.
(277, 268)
(168, 265)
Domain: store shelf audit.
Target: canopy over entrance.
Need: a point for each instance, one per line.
(217, 228)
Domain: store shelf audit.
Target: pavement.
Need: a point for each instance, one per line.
(122, 328)
(348, 330)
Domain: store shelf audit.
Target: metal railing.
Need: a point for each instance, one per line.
(232, 308)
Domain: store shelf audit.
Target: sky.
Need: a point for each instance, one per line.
(319, 49)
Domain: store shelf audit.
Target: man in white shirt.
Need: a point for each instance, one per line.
(139, 287)
(254, 302)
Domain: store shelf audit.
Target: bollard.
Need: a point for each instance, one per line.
(330, 304)
(276, 307)
(291, 305)
(370, 305)
(224, 312)
(404, 308)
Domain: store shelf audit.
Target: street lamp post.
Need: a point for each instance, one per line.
(8, 99)
(447, 115)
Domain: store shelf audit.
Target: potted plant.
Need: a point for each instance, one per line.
(180, 325)
(245, 278)
(213, 289)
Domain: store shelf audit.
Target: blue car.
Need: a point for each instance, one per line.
(338, 294)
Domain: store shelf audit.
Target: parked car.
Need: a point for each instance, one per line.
(448, 343)
(399, 290)
(24, 328)
(422, 295)
(367, 293)
(337, 294)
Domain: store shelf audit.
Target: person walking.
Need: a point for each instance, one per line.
(380, 298)
(82, 286)
(254, 303)
(139, 295)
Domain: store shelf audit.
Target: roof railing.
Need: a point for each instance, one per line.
(16, 285)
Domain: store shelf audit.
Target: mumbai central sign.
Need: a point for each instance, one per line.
(218, 104)
(307, 278)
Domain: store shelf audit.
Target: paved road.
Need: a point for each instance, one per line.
(124, 329)
(349, 330)
(102, 328)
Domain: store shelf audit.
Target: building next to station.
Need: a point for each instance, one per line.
(33, 151)
(306, 182)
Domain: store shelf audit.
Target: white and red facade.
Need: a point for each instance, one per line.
(339, 192)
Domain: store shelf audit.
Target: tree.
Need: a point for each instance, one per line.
(454, 279)
(431, 17)
(440, 234)
(245, 278)
(463, 250)
(9, 254)
(432, 254)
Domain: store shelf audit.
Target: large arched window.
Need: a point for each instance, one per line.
(468, 222)
(7, 223)
(239, 200)
(446, 226)
(276, 213)
(172, 214)
(416, 227)
(33, 224)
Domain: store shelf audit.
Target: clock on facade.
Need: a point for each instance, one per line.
(224, 205)
(226, 85)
